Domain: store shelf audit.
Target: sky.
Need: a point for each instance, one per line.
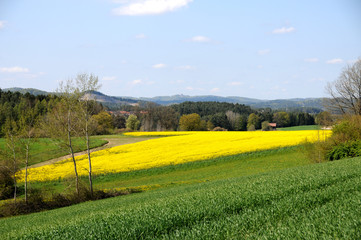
(144, 48)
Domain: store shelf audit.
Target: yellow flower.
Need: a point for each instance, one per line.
(177, 148)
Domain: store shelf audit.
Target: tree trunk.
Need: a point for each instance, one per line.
(14, 161)
(26, 170)
(72, 155)
(89, 159)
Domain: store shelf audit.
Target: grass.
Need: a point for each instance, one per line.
(318, 201)
(193, 172)
(299, 128)
(44, 149)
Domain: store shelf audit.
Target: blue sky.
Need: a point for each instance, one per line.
(259, 49)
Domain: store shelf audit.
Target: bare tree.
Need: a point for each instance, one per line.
(345, 92)
(10, 129)
(60, 122)
(27, 124)
(85, 84)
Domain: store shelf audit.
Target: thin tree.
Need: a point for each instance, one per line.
(85, 85)
(27, 124)
(60, 122)
(345, 92)
(11, 136)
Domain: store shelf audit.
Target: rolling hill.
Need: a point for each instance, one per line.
(116, 101)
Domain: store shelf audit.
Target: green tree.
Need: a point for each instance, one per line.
(266, 126)
(104, 122)
(190, 122)
(281, 118)
(132, 122)
(254, 120)
(324, 119)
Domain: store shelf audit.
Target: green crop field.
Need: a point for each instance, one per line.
(298, 128)
(318, 201)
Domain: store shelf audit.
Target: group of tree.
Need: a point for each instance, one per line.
(62, 116)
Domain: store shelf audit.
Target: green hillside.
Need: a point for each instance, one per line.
(319, 201)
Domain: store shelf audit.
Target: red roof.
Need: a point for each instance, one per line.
(273, 124)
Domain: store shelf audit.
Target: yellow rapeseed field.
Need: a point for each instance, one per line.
(175, 148)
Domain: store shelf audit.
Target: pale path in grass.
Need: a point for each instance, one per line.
(111, 142)
(180, 148)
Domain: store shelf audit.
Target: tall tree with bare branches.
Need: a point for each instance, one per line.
(60, 122)
(345, 92)
(85, 85)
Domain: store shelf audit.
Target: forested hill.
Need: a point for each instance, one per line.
(32, 91)
(311, 105)
(210, 108)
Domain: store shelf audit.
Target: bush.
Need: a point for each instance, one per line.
(344, 150)
(6, 183)
(219, 129)
(344, 142)
(266, 126)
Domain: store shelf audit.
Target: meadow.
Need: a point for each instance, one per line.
(318, 201)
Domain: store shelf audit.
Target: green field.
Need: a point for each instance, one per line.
(44, 149)
(318, 201)
(299, 128)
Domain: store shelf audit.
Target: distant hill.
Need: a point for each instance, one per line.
(32, 91)
(309, 104)
(287, 104)
(167, 100)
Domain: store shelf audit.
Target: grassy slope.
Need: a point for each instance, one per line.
(319, 201)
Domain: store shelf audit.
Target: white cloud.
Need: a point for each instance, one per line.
(283, 30)
(150, 7)
(334, 61)
(235, 83)
(260, 66)
(2, 24)
(311, 60)
(159, 65)
(185, 67)
(14, 70)
(189, 88)
(109, 78)
(199, 39)
(140, 36)
(214, 90)
(264, 52)
(136, 82)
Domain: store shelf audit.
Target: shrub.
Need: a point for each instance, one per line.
(6, 183)
(266, 126)
(219, 129)
(345, 141)
(344, 150)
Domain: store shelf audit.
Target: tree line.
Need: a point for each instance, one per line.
(202, 116)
